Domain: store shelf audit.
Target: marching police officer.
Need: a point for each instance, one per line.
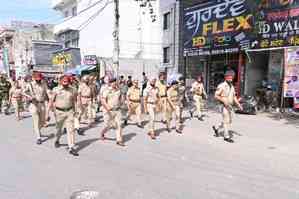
(134, 102)
(36, 92)
(84, 98)
(151, 100)
(4, 94)
(162, 87)
(173, 106)
(199, 94)
(111, 102)
(63, 103)
(226, 95)
(16, 99)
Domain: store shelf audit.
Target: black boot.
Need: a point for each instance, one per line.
(216, 131)
(73, 152)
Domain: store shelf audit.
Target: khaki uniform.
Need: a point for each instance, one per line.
(182, 93)
(173, 106)
(113, 118)
(64, 102)
(94, 102)
(152, 95)
(198, 93)
(227, 92)
(85, 95)
(163, 98)
(37, 107)
(16, 96)
(134, 103)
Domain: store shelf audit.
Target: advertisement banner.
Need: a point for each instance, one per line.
(276, 24)
(90, 60)
(291, 78)
(217, 27)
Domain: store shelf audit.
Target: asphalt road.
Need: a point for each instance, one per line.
(262, 163)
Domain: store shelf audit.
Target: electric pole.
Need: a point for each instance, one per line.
(116, 38)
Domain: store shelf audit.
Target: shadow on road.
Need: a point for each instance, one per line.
(85, 143)
(129, 137)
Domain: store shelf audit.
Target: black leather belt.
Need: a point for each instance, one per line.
(64, 109)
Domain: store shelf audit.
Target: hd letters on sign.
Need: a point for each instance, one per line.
(217, 27)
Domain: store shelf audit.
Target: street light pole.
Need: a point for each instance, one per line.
(116, 38)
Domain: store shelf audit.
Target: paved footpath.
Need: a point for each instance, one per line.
(263, 163)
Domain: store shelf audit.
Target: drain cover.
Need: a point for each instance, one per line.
(85, 195)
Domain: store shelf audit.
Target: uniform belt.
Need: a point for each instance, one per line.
(115, 109)
(135, 101)
(17, 97)
(85, 96)
(162, 96)
(151, 102)
(64, 109)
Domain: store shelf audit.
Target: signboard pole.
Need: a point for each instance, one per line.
(283, 80)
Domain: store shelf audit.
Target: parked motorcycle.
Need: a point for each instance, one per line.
(249, 104)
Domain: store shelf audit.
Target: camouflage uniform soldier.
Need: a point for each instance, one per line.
(123, 86)
(4, 94)
(199, 94)
(63, 102)
(173, 106)
(111, 102)
(151, 100)
(226, 95)
(84, 99)
(37, 94)
(134, 102)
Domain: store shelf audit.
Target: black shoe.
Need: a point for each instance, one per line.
(179, 131)
(200, 118)
(215, 131)
(79, 132)
(39, 142)
(168, 129)
(57, 144)
(73, 152)
(120, 144)
(229, 140)
(140, 126)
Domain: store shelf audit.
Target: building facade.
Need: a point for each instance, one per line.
(92, 25)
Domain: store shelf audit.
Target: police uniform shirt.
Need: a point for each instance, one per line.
(226, 91)
(151, 94)
(197, 88)
(64, 98)
(134, 94)
(112, 97)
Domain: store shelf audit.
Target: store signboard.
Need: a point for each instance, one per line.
(217, 27)
(276, 24)
(291, 78)
(90, 60)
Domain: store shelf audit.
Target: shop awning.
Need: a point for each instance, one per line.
(79, 69)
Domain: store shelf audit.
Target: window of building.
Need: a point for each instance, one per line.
(166, 55)
(67, 44)
(74, 11)
(166, 21)
(75, 43)
(66, 14)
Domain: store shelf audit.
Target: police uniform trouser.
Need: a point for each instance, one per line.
(226, 120)
(18, 105)
(177, 112)
(65, 119)
(135, 107)
(152, 116)
(163, 107)
(199, 104)
(86, 109)
(113, 119)
(4, 102)
(38, 112)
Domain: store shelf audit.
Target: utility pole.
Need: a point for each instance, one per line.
(116, 38)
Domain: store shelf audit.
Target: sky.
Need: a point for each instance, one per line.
(28, 10)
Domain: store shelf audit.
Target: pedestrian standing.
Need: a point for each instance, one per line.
(63, 103)
(134, 103)
(111, 99)
(173, 107)
(226, 95)
(199, 95)
(151, 100)
(37, 95)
